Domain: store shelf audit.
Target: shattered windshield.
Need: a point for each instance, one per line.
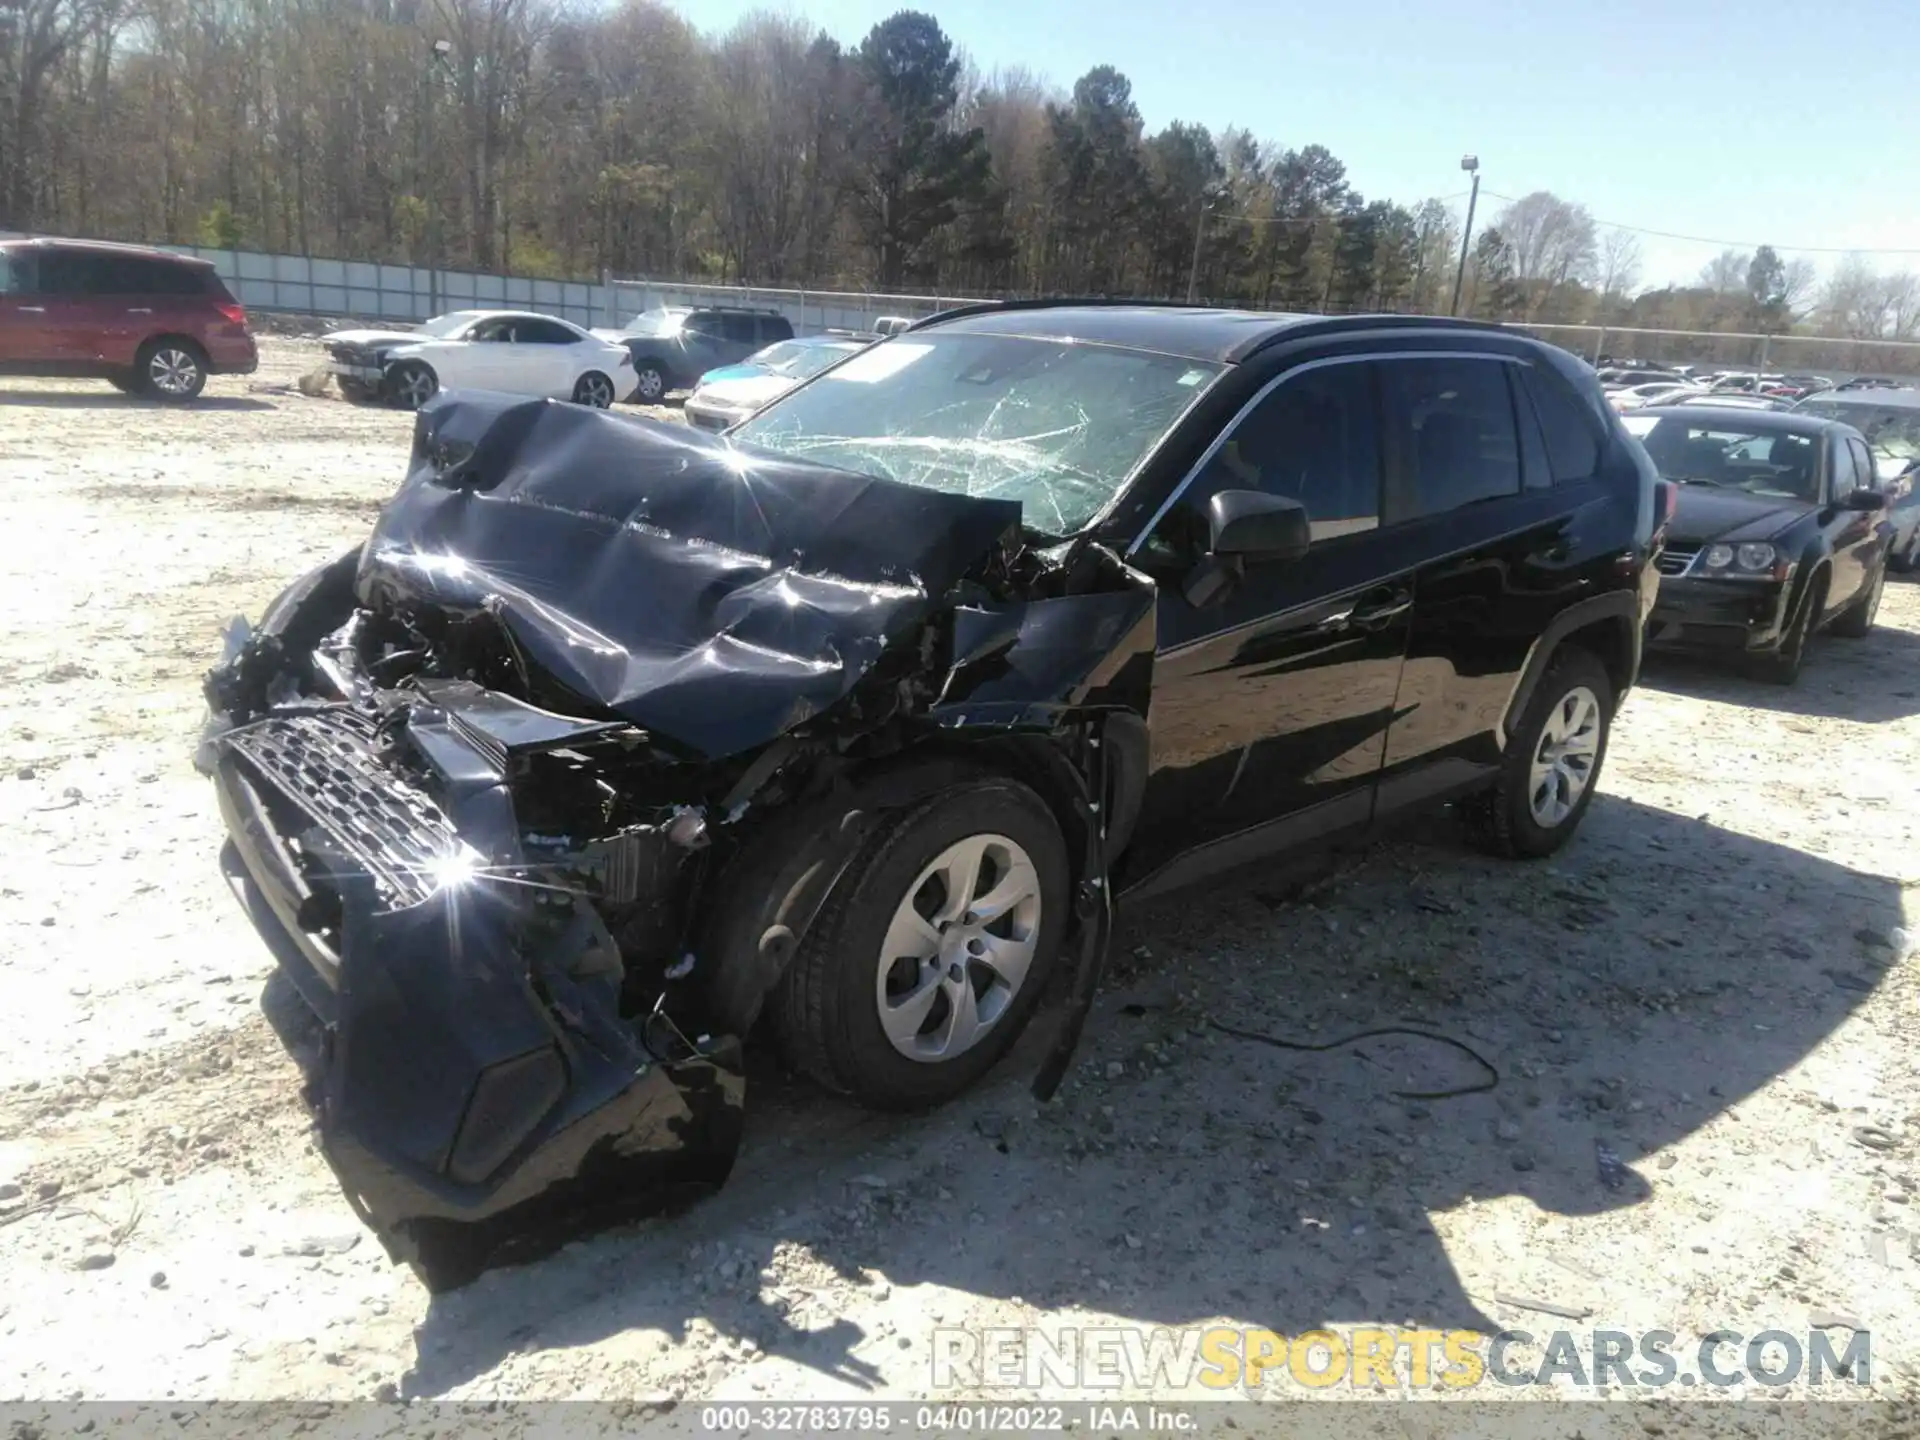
(1058, 425)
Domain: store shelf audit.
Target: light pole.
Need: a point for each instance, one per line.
(1199, 228)
(1471, 164)
(437, 54)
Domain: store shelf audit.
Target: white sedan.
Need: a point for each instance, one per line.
(507, 350)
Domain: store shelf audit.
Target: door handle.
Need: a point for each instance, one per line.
(33, 309)
(1373, 617)
(139, 310)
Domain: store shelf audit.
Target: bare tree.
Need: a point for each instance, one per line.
(1619, 268)
(1551, 245)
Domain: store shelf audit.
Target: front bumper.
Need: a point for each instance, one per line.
(1698, 614)
(709, 416)
(351, 370)
(478, 1093)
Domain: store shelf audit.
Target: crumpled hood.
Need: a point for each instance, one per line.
(1705, 515)
(373, 337)
(712, 594)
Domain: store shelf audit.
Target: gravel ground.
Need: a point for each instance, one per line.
(1697, 987)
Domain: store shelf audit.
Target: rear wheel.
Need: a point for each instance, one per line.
(1552, 764)
(593, 389)
(933, 952)
(358, 391)
(171, 369)
(411, 384)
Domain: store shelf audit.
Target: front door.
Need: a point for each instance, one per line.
(1271, 705)
(1852, 534)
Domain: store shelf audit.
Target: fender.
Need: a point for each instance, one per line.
(1816, 559)
(1615, 605)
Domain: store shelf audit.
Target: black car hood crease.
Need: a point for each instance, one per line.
(1704, 515)
(714, 595)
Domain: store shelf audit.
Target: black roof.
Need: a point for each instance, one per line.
(1190, 332)
(1785, 422)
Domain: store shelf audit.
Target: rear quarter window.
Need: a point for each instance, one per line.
(1571, 433)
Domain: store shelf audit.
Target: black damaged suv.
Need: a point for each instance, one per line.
(617, 740)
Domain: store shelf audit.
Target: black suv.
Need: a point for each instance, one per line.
(618, 738)
(673, 347)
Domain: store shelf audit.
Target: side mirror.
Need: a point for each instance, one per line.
(1864, 499)
(1252, 525)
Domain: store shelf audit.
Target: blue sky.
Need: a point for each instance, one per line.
(1773, 121)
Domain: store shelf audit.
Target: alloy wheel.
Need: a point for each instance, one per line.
(1564, 758)
(414, 387)
(958, 948)
(595, 390)
(652, 385)
(173, 371)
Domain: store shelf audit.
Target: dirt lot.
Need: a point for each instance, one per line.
(1697, 986)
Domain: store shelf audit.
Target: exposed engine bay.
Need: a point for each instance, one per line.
(536, 793)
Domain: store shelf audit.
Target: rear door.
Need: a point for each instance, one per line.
(1471, 493)
(705, 342)
(1271, 708)
(551, 355)
(68, 308)
(739, 336)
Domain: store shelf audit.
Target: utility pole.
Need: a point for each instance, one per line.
(1470, 163)
(1199, 228)
(437, 54)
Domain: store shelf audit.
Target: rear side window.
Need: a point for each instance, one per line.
(739, 329)
(543, 332)
(775, 327)
(1573, 447)
(1454, 423)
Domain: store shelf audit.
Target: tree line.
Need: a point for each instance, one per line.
(536, 138)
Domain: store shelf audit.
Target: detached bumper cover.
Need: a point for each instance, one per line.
(479, 1095)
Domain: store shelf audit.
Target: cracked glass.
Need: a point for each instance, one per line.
(1058, 425)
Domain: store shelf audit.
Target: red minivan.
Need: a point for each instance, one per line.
(148, 321)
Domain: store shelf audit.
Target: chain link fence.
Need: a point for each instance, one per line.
(1831, 359)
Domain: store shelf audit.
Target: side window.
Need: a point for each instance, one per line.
(1573, 445)
(1313, 438)
(71, 273)
(775, 327)
(544, 332)
(12, 275)
(497, 331)
(1863, 464)
(166, 279)
(702, 327)
(739, 329)
(1453, 420)
(1845, 480)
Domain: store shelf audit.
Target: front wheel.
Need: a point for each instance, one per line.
(593, 389)
(650, 383)
(1552, 764)
(411, 384)
(1783, 666)
(172, 370)
(930, 957)
(1856, 621)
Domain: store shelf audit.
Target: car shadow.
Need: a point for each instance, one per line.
(1875, 679)
(113, 399)
(1627, 993)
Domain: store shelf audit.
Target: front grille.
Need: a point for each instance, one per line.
(1675, 559)
(326, 764)
(351, 354)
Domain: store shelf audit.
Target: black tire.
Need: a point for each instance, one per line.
(127, 384)
(650, 383)
(1502, 819)
(171, 369)
(357, 391)
(411, 383)
(595, 390)
(1783, 666)
(826, 1009)
(1856, 621)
